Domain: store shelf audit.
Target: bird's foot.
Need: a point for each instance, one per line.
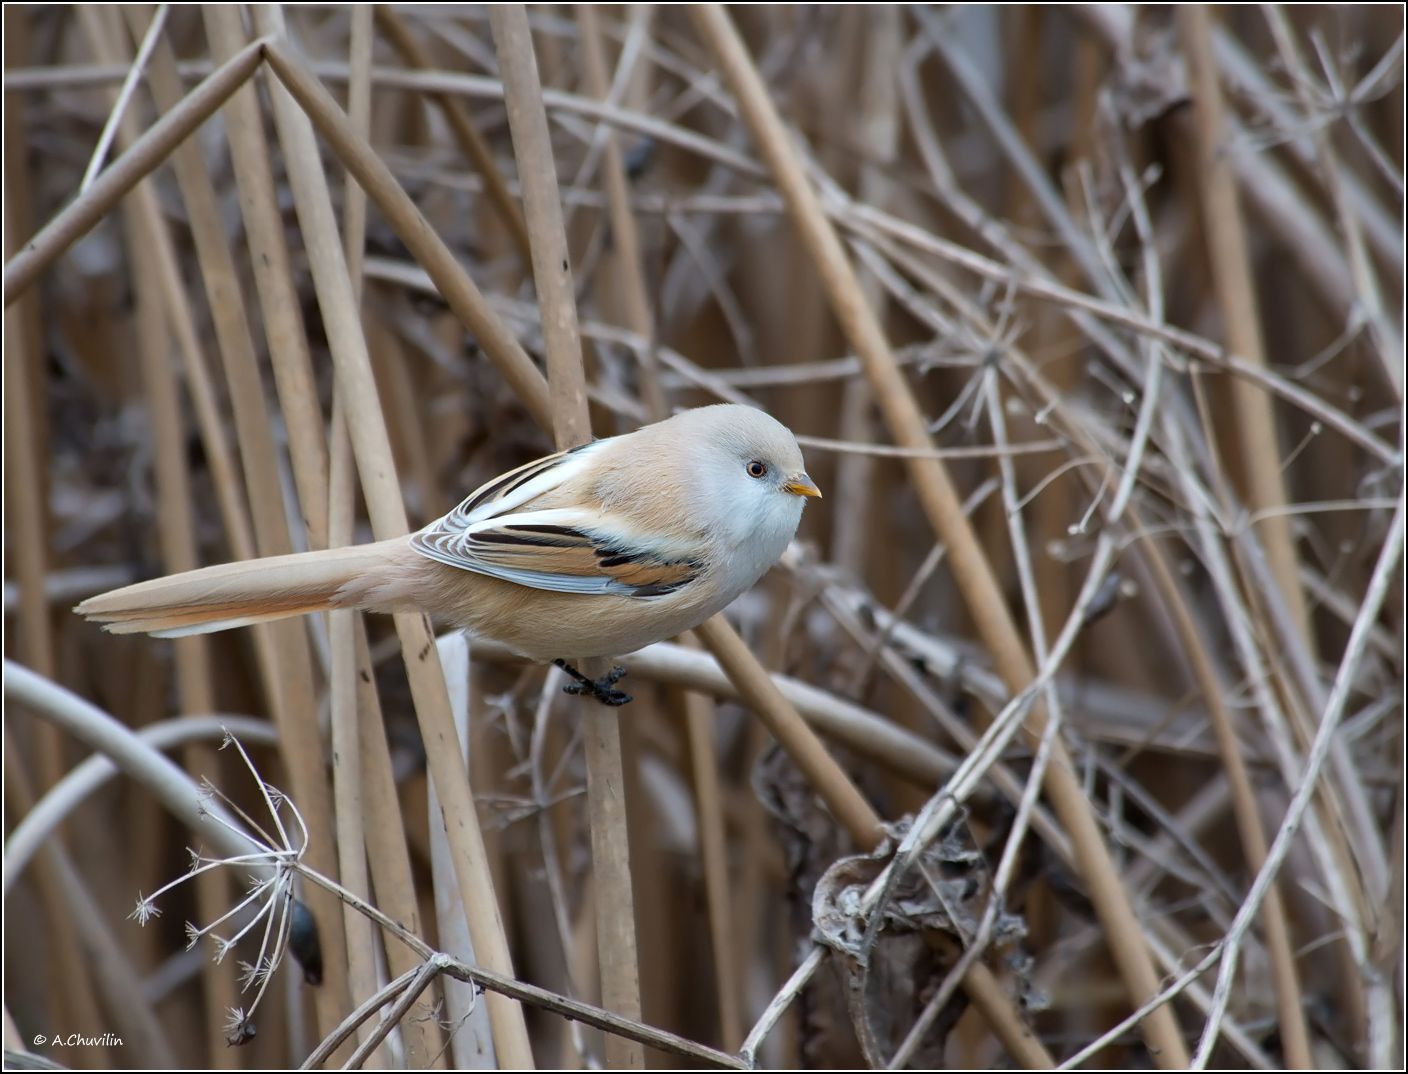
(603, 689)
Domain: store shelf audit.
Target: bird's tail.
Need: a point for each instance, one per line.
(252, 591)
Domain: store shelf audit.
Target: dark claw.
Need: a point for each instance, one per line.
(601, 689)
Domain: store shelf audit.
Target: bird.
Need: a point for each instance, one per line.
(591, 552)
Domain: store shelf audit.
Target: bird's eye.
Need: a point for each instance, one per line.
(757, 469)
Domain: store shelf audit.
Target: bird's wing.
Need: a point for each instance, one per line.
(515, 488)
(496, 531)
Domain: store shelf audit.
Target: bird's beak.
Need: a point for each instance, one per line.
(801, 485)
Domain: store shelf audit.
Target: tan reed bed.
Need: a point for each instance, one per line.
(1071, 729)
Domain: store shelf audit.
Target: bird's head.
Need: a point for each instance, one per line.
(751, 482)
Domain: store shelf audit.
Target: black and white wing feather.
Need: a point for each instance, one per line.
(496, 531)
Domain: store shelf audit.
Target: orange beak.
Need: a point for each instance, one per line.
(801, 485)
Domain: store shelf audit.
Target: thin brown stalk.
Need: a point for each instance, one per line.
(122, 99)
(106, 959)
(552, 271)
(386, 847)
(281, 315)
(878, 130)
(194, 686)
(606, 786)
(347, 748)
(144, 156)
(175, 532)
(865, 220)
(1295, 1040)
(1018, 193)
(760, 693)
(497, 984)
(1278, 204)
(552, 836)
(27, 527)
(558, 100)
(1345, 802)
(1053, 510)
(471, 1042)
(73, 996)
(372, 449)
(359, 115)
(1281, 733)
(19, 194)
(285, 642)
(634, 297)
(852, 811)
(26, 445)
(1381, 1039)
(464, 298)
(634, 301)
(709, 809)
(471, 142)
(405, 987)
(1249, 83)
(209, 417)
(1231, 271)
(1387, 338)
(859, 729)
(941, 504)
(903, 672)
(406, 402)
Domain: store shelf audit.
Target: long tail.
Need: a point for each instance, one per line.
(253, 591)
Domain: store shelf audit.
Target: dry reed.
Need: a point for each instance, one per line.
(1071, 729)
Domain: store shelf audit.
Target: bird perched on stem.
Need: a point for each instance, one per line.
(596, 551)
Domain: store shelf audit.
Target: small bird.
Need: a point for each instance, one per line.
(595, 551)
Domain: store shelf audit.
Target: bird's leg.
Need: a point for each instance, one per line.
(603, 689)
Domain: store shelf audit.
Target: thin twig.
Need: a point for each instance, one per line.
(552, 274)
(144, 156)
(461, 126)
(415, 231)
(1381, 1043)
(124, 96)
(367, 428)
(940, 503)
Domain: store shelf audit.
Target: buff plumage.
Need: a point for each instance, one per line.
(592, 552)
